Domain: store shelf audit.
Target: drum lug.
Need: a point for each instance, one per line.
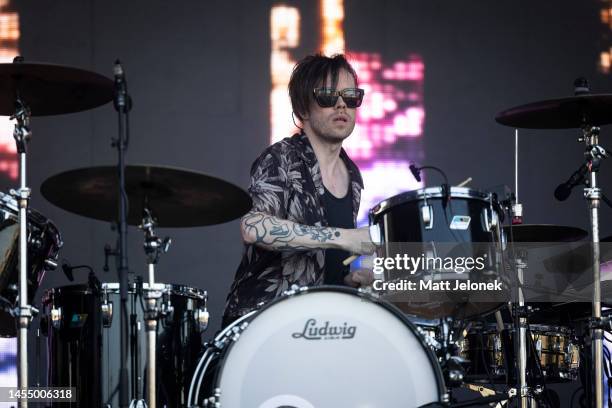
(50, 264)
(107, 313)
(538, 347)
(167, 310)
(231, 335)
(201, 316)
(215, 400)
(427, 215)
(56, 317)
(486, 220)
(293, 290)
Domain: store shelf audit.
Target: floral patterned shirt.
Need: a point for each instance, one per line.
(286, 183)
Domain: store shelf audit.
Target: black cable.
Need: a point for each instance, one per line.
(437, 169)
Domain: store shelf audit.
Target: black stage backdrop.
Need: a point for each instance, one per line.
(199, 74)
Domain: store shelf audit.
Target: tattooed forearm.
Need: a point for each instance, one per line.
(319, 234)
(273, 233)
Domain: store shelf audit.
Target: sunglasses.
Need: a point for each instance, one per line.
(327, 97)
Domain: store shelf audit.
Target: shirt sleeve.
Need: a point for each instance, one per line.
(268, 187)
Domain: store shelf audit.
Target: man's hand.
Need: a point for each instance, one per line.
(359, 277)
(358, 241)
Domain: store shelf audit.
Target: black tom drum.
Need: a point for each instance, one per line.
(445, 228)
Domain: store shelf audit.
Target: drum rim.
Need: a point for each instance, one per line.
(83, 288)
(427, 192)
(172, 288)
(221, 353)
(9, 205)
(113, 287)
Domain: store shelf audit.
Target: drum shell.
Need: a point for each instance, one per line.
(555, 348)
(94, 346)
(401, 217)
(74, 342)
(44, 243)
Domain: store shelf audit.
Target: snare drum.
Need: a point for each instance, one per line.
(44, 242)
(558, 352)
(436, 225)
(319, 347)
(556, 348)
(83, 330)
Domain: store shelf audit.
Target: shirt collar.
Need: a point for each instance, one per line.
(310, 158)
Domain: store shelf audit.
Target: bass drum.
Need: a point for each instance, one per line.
(319, 347)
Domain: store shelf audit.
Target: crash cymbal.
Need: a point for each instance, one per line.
(176, 197)
(563, 113)
(543, 233)
(49, 89)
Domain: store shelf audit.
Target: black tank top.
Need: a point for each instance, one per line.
(339, 213)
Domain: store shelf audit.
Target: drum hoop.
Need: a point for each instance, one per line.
(550, 330)
(48, 294)
(442, 395)
(427, 193)
(37, 221)
(173, 289)
(9, 205)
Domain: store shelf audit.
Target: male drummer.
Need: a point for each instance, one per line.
(306, 194)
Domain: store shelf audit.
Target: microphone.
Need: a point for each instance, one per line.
(563, 190)
(121, 99)
(581, 86)
(68, 271)
(416, 172)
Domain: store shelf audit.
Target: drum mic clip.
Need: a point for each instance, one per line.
(603, 323)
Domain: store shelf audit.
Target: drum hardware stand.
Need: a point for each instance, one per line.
(519, 311)
(594, 153)
(22, 135)
(123, 104)
(452, 363)
(154, 247)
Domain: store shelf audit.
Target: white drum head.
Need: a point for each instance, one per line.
(327, 349)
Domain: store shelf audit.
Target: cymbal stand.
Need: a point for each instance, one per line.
(123, 104)
(519, 311)
(153, 247)
(594, 153)
(22, 135)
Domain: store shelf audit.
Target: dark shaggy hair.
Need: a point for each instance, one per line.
(311, 72)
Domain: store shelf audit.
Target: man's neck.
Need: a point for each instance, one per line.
(328, 154)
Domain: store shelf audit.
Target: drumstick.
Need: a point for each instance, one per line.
(464, 182)
(350, 259)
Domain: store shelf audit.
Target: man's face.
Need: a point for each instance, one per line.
(333, 124)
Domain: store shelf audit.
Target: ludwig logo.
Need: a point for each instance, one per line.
(312, 331)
